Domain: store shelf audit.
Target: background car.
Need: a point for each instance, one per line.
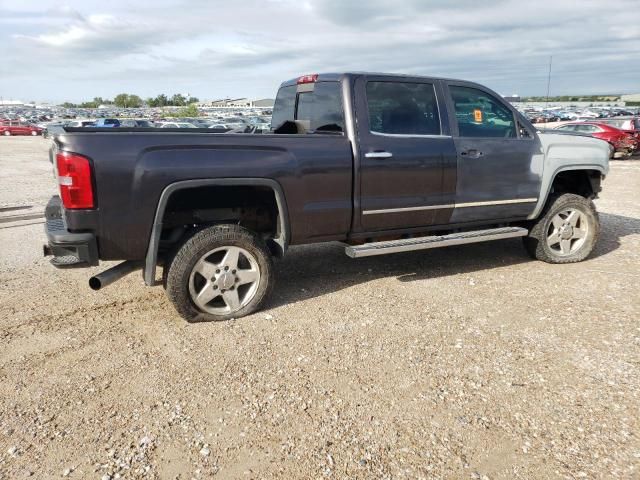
(629, 125)
(623, 143)
(19, 128)
(107, 123)
(177, 125)
(136, 123)
(81, 123)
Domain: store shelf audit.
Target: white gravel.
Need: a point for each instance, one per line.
(462, 363)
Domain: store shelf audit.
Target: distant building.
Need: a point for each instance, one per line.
(515, 98)
(634, 97)
(11, 103)
(264, 103)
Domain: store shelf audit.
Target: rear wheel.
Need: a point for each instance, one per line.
(7, 133)
(33, 133)
(219, 273)
(566, 232)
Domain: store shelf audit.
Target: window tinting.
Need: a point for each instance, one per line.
(319, 109)
(284, 106)
(403, 108)
(480, 114)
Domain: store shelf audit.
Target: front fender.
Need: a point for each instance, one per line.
(569, 152)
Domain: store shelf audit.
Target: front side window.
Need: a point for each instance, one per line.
(399, 108)
(479, 114)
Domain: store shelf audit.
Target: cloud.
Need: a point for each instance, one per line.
(246, 48)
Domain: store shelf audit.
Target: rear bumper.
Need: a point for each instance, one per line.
(69, 249)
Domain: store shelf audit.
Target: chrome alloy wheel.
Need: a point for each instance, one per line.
(224, 280)
(567, 232)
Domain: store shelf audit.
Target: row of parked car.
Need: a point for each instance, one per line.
(240, 123)
(622, 133)
(575, 114)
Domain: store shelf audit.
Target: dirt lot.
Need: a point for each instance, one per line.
(468, 362)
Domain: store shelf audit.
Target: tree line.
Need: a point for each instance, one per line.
(127, 100)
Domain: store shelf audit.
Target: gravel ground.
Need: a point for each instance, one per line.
(469, 362)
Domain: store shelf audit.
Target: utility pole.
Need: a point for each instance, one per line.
(548, 82)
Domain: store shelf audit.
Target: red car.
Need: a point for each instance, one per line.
(19, 128)
(624, 144)
(631, 125)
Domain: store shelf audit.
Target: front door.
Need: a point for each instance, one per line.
(407, 156)
(500, 160)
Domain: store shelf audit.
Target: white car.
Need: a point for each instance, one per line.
(82, 123)
(178, 125)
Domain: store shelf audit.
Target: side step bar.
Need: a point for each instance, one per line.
(421, 243)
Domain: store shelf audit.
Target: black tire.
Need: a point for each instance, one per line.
(536, 242)
(179, 267)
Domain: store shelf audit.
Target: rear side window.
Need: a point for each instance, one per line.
(398, 108)
(479, 114)
(588, 129)
(319, 108)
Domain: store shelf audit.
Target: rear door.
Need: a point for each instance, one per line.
(500, 158)
(20, 129)
(406, 153)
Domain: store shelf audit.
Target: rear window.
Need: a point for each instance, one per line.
(624, 124)
(319, 110)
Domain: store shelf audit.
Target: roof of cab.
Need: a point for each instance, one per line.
(336, 77)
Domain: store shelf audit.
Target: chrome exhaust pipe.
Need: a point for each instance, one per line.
(109, 276)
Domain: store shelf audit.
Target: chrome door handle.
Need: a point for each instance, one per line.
(378, 155)
(472, 153)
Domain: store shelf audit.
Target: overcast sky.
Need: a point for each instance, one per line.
(75, 50)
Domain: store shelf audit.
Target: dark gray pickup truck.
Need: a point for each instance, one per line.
(382, 163)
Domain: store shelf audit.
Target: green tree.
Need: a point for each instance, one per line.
(189, 111)
(135, 101)
(162, 100)
(126, 100)
(178, 100)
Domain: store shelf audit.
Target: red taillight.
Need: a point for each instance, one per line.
(74, 178)
(308, 78)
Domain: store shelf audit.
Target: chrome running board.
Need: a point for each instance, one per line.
(435, 241)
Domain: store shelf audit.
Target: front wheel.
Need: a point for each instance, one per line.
(221, 272)
(7, 133)
(33, 133)
(566, 231)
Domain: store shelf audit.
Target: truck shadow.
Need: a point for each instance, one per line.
(315, 270)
